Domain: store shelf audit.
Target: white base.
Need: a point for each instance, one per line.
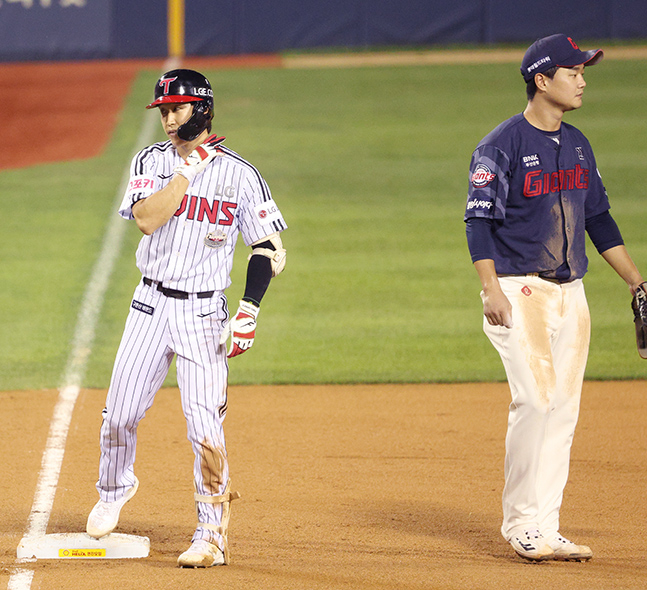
(83, 546)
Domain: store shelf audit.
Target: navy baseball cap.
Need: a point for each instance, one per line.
(556, 50)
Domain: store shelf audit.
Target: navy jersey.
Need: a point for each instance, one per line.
(538, 193)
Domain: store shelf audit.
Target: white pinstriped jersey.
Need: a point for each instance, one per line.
(194, 250)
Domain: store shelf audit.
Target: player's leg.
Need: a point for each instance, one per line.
(141, 364)
(570, 351)
(202, 373)
(527, 358)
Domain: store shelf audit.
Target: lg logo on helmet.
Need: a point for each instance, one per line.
(203, 91)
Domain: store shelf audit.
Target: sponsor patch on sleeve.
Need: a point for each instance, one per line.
(479, 205)
(141, 184)
(267, 212)
(482, 176)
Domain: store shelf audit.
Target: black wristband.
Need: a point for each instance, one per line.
(259, 275)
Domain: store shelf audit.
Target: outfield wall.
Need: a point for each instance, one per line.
(82, 29)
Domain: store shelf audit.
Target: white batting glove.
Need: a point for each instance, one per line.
(241, 328)
(198, 159)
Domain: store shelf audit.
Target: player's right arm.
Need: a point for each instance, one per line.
(154, 211)
(485, 200)
(146, 200)
(496, 306)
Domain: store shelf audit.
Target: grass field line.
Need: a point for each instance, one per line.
(84, 333)
(377, 58)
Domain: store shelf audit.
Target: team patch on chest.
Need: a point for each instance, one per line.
(530, 161)
(215, 239)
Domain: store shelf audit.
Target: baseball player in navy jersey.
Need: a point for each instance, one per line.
(190, 196)
(534, 192)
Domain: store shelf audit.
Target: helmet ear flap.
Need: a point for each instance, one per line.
(197, 123)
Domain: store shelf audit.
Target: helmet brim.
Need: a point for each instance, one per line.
(172, 99)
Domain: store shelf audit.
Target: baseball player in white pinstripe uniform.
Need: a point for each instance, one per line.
(190, 196)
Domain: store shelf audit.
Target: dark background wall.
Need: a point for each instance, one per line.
(82, 29)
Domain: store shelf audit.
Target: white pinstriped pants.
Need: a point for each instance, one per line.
(544, 356)
(156, 330)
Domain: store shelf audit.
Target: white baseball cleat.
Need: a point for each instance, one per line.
(105, 515)
(566, 550)
(532, 545)
(201, 554)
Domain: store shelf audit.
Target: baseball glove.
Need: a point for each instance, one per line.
(639, 307)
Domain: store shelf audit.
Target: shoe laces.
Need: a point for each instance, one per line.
(103, 509)
(534, 534)
(202, 546)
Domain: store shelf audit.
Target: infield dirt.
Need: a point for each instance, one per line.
(358, 487)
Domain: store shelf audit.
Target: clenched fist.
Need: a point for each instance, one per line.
(198, 159)
(241, 328)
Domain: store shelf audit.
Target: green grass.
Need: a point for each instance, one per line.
(369, 167)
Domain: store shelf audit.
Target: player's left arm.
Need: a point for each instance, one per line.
(607, 239)
(621, 262)
(619, 259)
(266, 261)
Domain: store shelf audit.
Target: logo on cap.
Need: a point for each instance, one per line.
(166, 82)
